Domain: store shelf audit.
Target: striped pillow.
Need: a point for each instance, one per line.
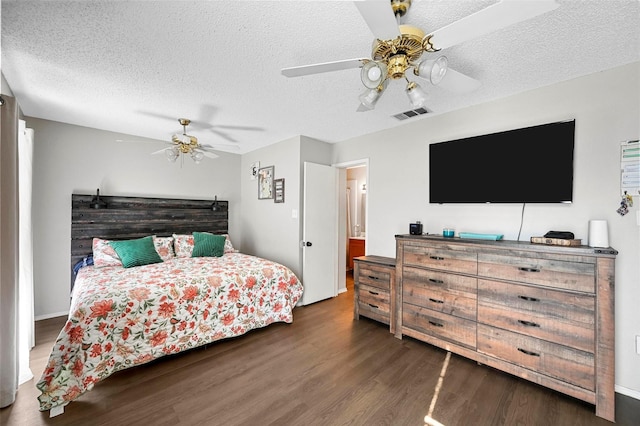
(207, 245)
(136, 252)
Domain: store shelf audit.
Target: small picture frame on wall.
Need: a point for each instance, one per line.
(265, 183)
(278, 189)
(254, 170)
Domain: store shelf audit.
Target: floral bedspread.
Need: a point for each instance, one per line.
(120, 318)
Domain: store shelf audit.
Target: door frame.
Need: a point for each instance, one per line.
(341, 249)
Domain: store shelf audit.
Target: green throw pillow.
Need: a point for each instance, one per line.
(136, 252)
(207, 245)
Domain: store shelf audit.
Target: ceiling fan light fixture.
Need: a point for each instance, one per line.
(172, 154)
(433, 70)
(417, 96)
(370, 97)
(197, 156)
(373, 74)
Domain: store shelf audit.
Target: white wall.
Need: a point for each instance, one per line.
(71, 159)
(268, 228)
(606, 109)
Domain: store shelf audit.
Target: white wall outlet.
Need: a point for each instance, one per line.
(294, 214)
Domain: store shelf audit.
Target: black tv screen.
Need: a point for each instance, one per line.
(528, 165)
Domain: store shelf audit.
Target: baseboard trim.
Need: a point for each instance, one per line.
(54, 315)
(628, 392)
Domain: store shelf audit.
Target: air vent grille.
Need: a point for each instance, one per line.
(411, 113)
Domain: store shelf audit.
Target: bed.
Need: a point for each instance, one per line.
(121, 317)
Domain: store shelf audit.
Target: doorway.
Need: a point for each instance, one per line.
(353, 187)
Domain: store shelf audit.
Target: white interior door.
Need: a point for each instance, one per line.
(320, 236)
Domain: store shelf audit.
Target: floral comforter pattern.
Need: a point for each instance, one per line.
(120, 318)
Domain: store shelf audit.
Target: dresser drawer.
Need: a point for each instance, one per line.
(560, 274)
(558, 361)
(447, 293)
(448, 327)
(373, 303)
(553, 315)
(374, 276)
(441, 258)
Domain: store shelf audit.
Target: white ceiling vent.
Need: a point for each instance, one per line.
(411, 113)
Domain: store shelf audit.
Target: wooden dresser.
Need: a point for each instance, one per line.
(543, 313)
(373, 278)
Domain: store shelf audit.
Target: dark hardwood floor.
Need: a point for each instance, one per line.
(324, 369)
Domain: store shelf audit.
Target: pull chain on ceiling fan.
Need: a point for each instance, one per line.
(400, 48)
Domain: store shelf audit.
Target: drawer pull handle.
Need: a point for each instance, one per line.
(373, 292)
(529, 299)
(529, 269)
(436, 281)
(526, 352)
(436, 300)
(373, 306)
(437, 324)
(372, 277)
(529, 323)
(436, 257)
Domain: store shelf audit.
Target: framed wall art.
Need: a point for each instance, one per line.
(265, 183)
(254, 170)
(278, 190)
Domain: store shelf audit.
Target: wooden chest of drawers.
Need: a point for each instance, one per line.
(543, 313)
(373, 277)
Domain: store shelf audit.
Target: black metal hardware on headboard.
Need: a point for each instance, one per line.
(136, 217)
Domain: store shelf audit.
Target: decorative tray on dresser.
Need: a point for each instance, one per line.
(543, 313)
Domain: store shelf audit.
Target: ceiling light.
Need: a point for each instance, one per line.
(197, 156)
(369, 97)
(172, 154)
(417, 96)
(433, 70)
(373, 73)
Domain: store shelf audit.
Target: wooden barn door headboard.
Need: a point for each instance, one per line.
(136, 217)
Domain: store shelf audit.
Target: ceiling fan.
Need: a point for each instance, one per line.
(400, 48)
(183, 144)
(204, 123)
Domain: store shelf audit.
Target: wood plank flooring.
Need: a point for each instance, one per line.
(324, 369)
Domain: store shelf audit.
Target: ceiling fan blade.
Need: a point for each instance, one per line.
(223, 135)
(457, 82)
(380, 18)
(159, 151)
(212, 147)
(492, 18)
(324, 67)
(224, 126)
(210, 154)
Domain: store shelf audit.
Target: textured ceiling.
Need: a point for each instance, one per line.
(135, 67)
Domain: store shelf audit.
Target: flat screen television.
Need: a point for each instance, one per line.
(528, 165)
